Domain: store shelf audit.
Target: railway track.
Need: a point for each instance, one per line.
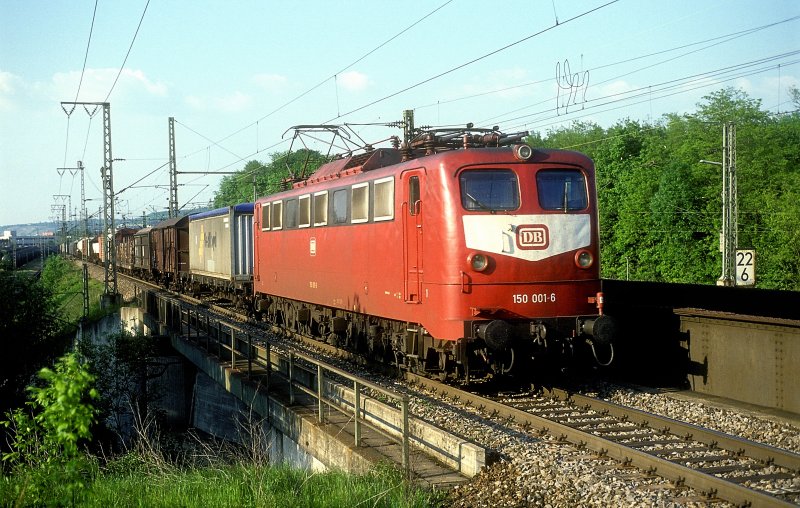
(718, 465)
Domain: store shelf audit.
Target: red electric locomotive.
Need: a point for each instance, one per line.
(464, 251)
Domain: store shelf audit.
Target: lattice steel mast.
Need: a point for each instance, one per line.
(730, 205)
(110, 294)
(173, 171)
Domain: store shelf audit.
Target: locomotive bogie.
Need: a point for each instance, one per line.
(405, 345)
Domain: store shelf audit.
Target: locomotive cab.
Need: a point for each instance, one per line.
(511, 255)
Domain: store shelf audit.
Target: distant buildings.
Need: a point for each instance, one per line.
(10, 237)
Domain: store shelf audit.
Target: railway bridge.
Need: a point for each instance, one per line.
(229, 383)
(222, 377)
(733, 342)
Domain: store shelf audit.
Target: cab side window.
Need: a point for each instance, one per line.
(384, 199)
(265, 217)
(489, 190)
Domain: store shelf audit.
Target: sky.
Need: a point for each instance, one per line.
(237, 75)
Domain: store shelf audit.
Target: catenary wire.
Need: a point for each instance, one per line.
(685, 90)
(122, 67)
(322, 82)
(666, 84)
(728, 37)
(80, 82)
(465, 64)
(482, 57)
(86, 54)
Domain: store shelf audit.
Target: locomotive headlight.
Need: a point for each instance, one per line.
(478, 262)
(584, 259)
(523, 152)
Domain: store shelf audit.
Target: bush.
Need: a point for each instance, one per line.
(46, 458)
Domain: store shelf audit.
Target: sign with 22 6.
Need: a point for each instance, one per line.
(745, 267)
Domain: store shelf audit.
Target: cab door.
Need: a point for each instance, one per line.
(412, 183)
(257, 220)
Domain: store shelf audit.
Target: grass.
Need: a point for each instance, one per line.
(71, 298)
(231, 485)
(187, 470)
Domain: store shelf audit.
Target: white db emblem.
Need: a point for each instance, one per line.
(533, 237)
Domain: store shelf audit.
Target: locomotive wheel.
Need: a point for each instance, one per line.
(333, 340)
(275, 315)
(442, 375)
(304, 328)
(290, 317)
(413, 365)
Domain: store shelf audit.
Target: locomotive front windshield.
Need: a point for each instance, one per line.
(561, 190)
(489, 190)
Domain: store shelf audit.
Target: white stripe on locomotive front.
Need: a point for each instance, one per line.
(496, 234)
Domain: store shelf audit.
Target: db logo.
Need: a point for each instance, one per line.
(533, 237)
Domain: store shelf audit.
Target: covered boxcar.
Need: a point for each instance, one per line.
(97, 249)
(123, 243)
(84, 248)
(169, 242)
(142, 255)
(221, 252)
(68, 248)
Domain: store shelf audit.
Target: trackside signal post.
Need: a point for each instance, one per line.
(110, 295)
(745, 267)
(728, 240)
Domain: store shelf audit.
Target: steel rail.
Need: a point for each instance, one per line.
(759, 451)
(710, 485)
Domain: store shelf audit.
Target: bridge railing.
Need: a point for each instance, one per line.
(259, 357)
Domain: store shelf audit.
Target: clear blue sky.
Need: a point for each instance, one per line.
(235, 76)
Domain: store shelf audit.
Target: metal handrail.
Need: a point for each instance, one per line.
(273, 355)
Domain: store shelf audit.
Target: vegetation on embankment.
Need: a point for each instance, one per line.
(38, 319)
(129, 481)
(59, 438)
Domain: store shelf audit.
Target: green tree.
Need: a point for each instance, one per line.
(29, 334)
(794, 93)
(679, 233)
(619, 158)
(577, 136)
(267, 178)
(731, 105)
(660, 208)
(769, 194)
(122, 364)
